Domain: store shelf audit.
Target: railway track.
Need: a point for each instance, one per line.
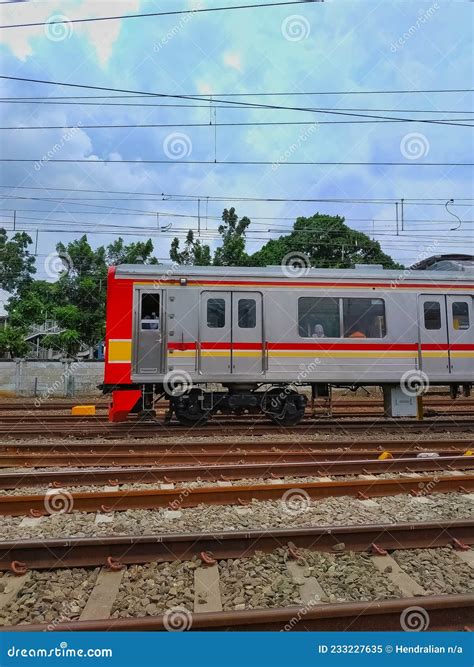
(228, 445)
(344, 413)
(107, 501)
(47, 554)
(210, 602)
(113, 460)
(221, 471)
(139, 429)
(446, 613)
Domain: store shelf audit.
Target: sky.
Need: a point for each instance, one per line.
(336, 46)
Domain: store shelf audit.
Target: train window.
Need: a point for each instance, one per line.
(150, 311)
(432, 315)
(215, 313)
(460, 315)
(318, 317)
(247, 313)
(364, 318)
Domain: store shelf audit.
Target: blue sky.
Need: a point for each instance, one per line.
(335, 46)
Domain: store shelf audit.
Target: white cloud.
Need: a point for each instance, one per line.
(233, 60)
(23, 42)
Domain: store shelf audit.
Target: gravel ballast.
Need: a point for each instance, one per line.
(259, 514)
(48, 597)
(439, 571)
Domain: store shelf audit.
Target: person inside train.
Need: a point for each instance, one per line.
(355, 332)
(318, 331)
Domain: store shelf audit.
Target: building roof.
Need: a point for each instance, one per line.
(452, 262)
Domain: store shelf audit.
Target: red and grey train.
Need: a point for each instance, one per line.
(238, 340)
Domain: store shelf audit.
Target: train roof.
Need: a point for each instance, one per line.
(365, 272)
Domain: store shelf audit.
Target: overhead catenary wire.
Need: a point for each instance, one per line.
(215, 99)
(284, 163)
(81, 126)
(93, 19)
(425, 201)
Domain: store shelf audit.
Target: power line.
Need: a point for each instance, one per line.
(170, 13)
(208, 96)
(165, 196)
(447, 121)
(193, 97)
(244, 162)
(170, 214)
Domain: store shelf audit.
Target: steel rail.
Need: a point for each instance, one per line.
(219, 471)
(116, 460)
(53, 419)
(446, 612)
(222, 495)
(56, 419)
(40, 554)
(225, 445)
(152, 429)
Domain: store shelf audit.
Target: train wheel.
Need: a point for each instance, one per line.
(188, 409)
(284, 407)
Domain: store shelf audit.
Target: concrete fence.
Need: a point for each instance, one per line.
(48, 378)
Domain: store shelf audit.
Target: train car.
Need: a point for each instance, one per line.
(243, 340)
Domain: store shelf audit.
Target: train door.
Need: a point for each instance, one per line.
(247, 326)
(148, 348)
(215, 333)
(433, 336)
(460, 335)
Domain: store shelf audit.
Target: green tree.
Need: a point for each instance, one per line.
(232, 252)
(194, 252)
(134, 253)
(67, 342)
(327, 242)
(12, 342)
(17, 265)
